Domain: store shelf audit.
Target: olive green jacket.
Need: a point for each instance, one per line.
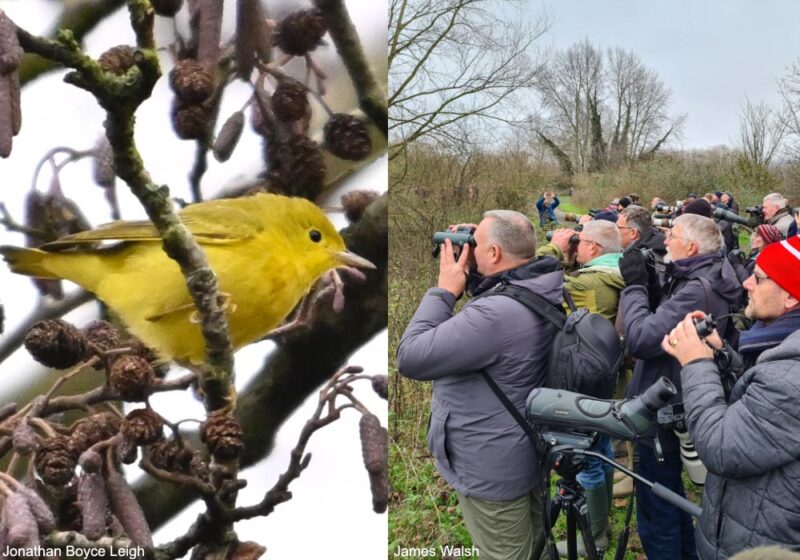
(596, 285)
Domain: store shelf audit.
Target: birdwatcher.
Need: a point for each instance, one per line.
(477, 445)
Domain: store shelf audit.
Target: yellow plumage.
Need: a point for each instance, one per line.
(266, 250)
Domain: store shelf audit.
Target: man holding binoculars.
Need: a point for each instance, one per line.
(749, 443)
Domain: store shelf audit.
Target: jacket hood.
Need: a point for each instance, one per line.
(543, 276)
(713, 266)
(609, 261)
(788, 349)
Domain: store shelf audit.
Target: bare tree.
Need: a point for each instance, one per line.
(789, 87)
(453, 60)
(601, 110)
(761, 132)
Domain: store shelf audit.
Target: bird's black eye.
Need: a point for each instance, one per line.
(315, 235)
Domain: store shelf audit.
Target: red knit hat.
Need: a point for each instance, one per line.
(769, 233)
(781, 262)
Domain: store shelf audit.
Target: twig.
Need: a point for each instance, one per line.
(80, 18)
(299, 460)
(104, 393)
(177, 478)
(11, 225)
(371, 97)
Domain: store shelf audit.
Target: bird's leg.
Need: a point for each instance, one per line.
(329, 286)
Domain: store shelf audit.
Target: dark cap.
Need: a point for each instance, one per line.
(624, 202)
(700, 207)
(606, 215)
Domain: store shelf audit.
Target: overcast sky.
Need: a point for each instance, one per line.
(711, 53)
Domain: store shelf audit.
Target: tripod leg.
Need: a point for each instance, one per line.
(552, 515)
(580, 514)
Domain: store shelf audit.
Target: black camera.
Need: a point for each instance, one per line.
(755, 210)
(705, 326)
(663, 207)
(463, 235)
(594, 211)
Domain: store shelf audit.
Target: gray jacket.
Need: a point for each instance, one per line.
(782, 220)
(479, 448)
(751, 448)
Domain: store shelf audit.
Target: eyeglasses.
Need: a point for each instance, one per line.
(758, 278)
(625, 227)
(589, 241)
(671, 236)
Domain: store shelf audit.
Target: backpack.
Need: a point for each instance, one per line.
(586, 354)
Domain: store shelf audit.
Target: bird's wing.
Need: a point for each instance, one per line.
(211, 223)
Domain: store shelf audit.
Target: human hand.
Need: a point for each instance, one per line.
(561, 238)
(585, 219)
(683, 344)
(452, 270)
(633, 267)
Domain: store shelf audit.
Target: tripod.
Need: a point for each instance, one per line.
(564, 453)
(561, 457)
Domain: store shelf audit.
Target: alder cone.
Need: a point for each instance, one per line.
(102, 334)
(191, 82)
(298, 167)
(167, 455)
(223, 437)
(143, 426)
(55, 461)
(131, 377)
(301, 31)
(347, 137)
(290, 101)
(190, 121)
(56, 343)
(92, 429)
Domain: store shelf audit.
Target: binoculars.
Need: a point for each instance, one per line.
(461, 236)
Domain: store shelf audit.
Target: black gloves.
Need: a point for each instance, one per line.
(633, 267)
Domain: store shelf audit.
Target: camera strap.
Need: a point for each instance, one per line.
(511, 408)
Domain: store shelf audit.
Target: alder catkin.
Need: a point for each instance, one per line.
(93, 503)
(228, 136)
(39, 508)
(127, 509)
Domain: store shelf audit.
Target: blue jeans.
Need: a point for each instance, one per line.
(666, 531)
(593, 474)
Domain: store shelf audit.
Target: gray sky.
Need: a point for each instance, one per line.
(710, 53)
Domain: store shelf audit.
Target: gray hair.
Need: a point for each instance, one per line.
(702, 231)
(513, 232)
(638, 218)
(777, 199)
(605, 234)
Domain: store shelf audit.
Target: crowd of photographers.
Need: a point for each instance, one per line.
(738, 388)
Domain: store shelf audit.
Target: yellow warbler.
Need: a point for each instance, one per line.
(266, 250)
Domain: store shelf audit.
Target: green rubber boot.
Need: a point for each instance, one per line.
(598, 503)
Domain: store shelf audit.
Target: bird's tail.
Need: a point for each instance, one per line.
(30, 262)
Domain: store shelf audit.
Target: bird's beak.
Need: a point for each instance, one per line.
(351, 259)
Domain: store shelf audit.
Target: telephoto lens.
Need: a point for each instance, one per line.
(662, 222)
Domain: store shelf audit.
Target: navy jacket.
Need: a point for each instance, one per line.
(683, 292)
